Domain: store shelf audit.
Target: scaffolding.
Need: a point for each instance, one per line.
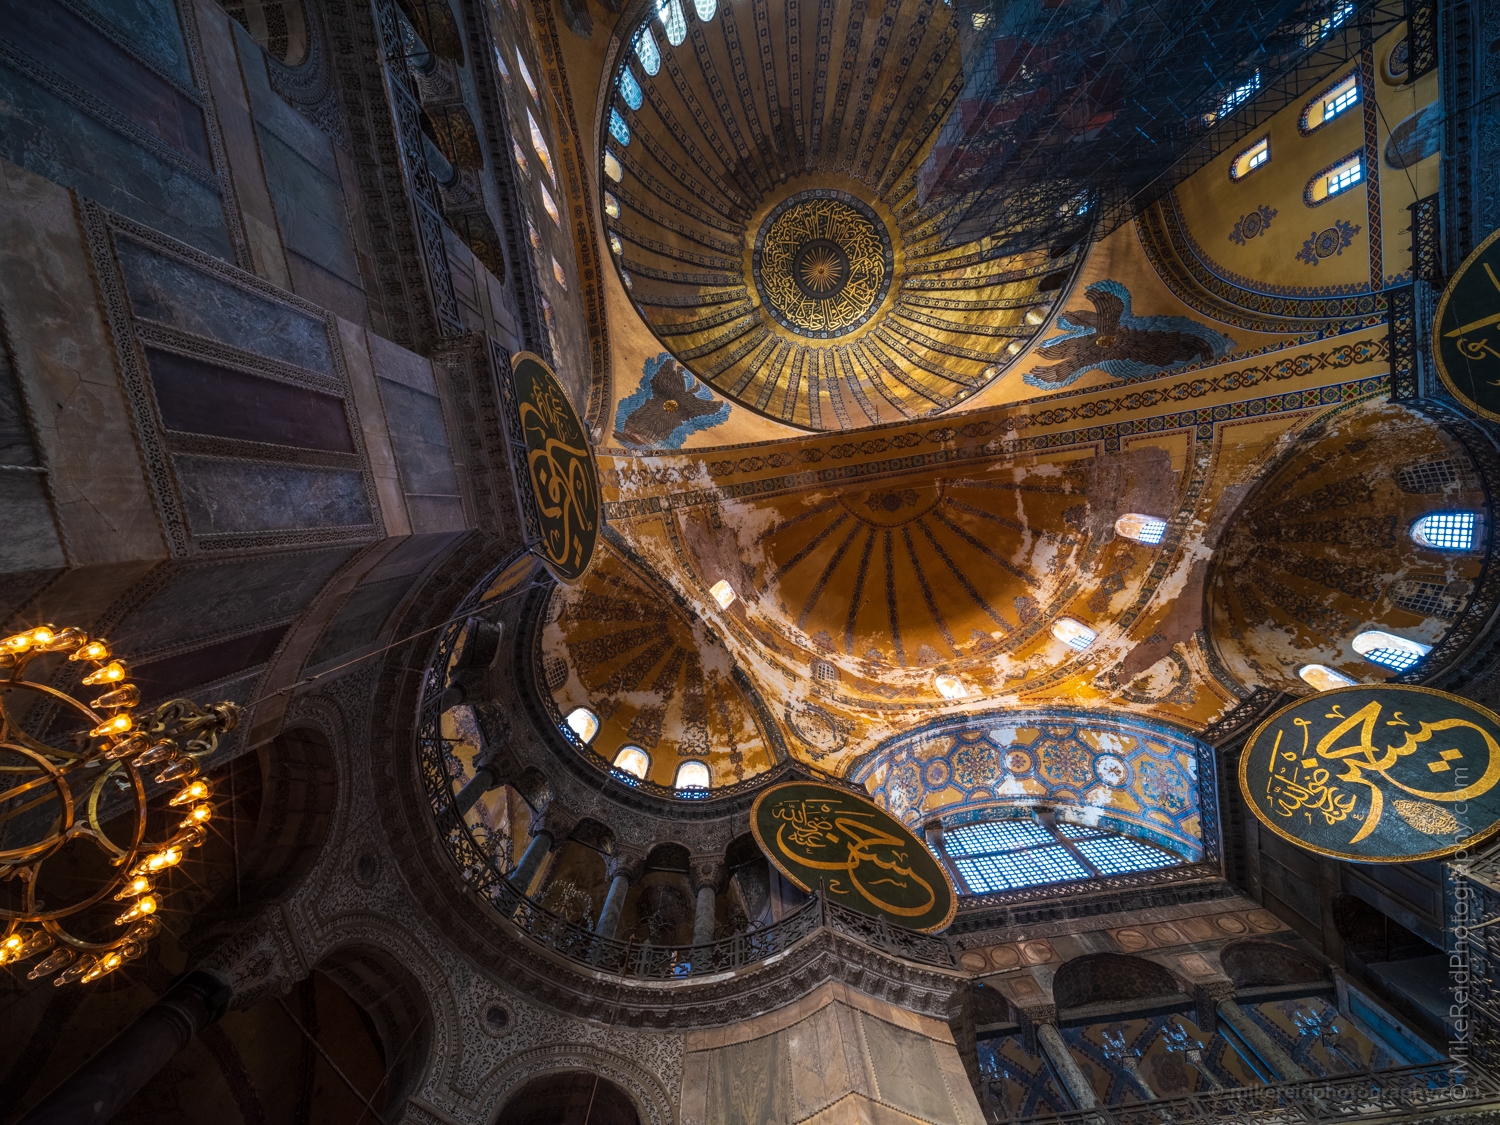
(1077, 114)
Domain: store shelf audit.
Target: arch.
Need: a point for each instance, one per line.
(669, 857)
(594, 834)
(396, 1005)
(653, 1103)
(692, 775)
(633, 760)
(1254, 961)
(569, 1097)
(1447, 531)
(279, 27)
(1106, 978)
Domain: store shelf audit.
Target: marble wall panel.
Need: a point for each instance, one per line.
(30, 540)
(419, 439)
(153, 29)
(50, 136)
(360, 365)
(198, 397)
(239, 497)
(175, 675)
(241, 593)
(172, 292)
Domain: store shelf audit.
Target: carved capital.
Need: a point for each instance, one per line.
(1206, 997)
(260, 962)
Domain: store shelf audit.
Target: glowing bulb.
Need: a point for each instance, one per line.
(136, 887)
(40, 636)
(142, 906)
(117, 724)
(106, 964)
(93, 650)
(170, 856)
(111, 673)
(723, 593)
(198, 814)
(197, 791)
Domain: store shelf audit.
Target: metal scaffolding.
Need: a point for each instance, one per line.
(1076, 114)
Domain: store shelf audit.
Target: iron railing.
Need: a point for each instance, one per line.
(1436, 1087)
(481, 869)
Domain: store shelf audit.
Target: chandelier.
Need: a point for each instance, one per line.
(53, 796)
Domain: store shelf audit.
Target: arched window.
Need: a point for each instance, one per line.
(611, 206)
(520, 155)
(647, 51)
(1250, 159)
(612, 167)
(1143, 529)
(615, 245)
(673, 22)
(692, 775)
(547, 203)
(617, 127)
(538, 142)
(500, 64)
(1001, 855)
(558, 275)
(1447, 531)
(1324, 678)
(630, 89)
(526, 74)
(1074, 634)
(1390, 650)
(705, 9)
(1335, 180)
(723, 593)
(950, 687)
(1330, 103)
(583, 722)
(633, 760)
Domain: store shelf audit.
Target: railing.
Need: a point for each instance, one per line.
(1435, 1087)
(479, 868)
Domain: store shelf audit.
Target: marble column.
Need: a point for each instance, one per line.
(485, 778)
(531, 861)
(94, 1092)
(1261, 1043)
(1077, 1086)
(704, 917)
(614, 905)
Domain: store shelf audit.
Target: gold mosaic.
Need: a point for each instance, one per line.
(822, 266)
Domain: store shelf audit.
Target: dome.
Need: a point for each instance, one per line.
(777, 241)
(1325, 553)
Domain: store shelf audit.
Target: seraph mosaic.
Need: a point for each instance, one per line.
(1114, 340)
(669, 405)
(1131, 776)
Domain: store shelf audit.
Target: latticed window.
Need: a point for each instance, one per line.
(1345, 176)
(824, 671)
(630, 89)
(1446, 531)
(673, 22)
(1427, 476)
(1002, 855)
(617, 127)
(647, 51)
(556, 669)
(1143, 529)
(633, 760)
(1428, 597)
(692, 775)
(1389, 650)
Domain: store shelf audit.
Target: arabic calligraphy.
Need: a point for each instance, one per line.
(1466, 346)
(1326, 770)
(822, 837)
(822, 265)
(560, 465)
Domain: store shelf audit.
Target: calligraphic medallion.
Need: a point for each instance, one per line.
(560, 468)
(822, 263)
(822, 837)
(1466, 331)
(1383, 773)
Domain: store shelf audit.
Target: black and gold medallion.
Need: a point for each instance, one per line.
(1466, 331)
(824, 838)
(560, 466)
(1376, 774)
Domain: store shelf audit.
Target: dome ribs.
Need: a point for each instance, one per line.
(695, 109)
(852, 36)
(726, 113)
(704, 323)
(858, 592)
(919, 24)
(684, 179)
(667, 250)
(820, 78)
(640, 269)
(692, 300)
(737, 67)
(723, 340)
(700, 160)
(711, 216)
(822, 583)
(878, 366)
(873, 63)
(762, 16)
(935, 61)
(1016, 331)
(963, 580)
(794, 72)
(884, 335)
(921, 575)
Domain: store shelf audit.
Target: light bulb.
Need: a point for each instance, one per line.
(75, 972)
(198, 814)
(51, 963)
(197, 791)
(111, 673)
(106, 964)
(169, 856)
(117, 724)
(142, 906)
(91, 650)
(127, 696)
(137, 886)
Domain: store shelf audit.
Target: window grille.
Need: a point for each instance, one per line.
(1427, 476)
(1446, 531)
(1002, 855)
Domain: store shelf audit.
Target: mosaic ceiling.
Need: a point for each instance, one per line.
(760, 182)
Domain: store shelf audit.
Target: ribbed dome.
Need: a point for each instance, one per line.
(761, 190)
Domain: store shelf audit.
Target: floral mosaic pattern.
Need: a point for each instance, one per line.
(1328, 242)
(1252, 225)
(1134, 776)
